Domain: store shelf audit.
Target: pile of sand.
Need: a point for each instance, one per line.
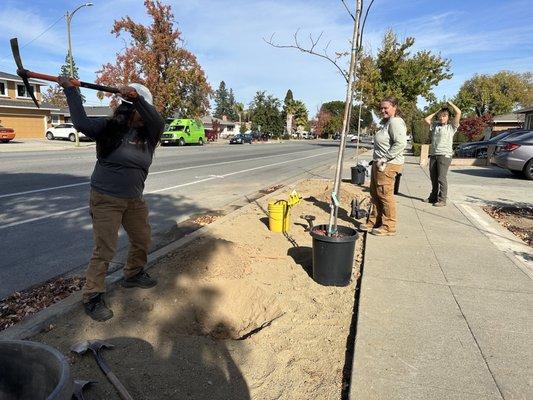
(236, 315)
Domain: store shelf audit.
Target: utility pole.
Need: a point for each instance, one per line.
(68, 17)
(332, 228)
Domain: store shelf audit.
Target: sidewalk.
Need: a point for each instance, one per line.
(443, 313)
(43, 145)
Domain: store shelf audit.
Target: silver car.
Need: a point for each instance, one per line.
(516, 154)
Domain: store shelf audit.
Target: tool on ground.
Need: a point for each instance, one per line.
(357, 211)
(26, 74)
(309, 219)
(78, 388)
(95, 346)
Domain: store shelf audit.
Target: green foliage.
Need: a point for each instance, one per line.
(420, 132)
(335, 110)
(497, 94)
(225, 103)
(65, 71)
(416, 149)
(289, 98)
(301, 116)
(395, 72)
(265, 112)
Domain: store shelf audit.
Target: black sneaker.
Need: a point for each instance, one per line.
(429, 200)
(96, 308)
(142, 280)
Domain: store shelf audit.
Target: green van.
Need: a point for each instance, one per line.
(184, 131)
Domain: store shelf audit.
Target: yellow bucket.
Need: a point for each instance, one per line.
(279, 216)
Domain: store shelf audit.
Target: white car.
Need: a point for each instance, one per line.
(64, 131)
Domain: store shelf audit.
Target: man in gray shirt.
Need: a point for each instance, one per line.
(125, 145)
(442, 133)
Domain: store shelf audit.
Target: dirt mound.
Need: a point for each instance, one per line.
(213, 257)
(239, 311)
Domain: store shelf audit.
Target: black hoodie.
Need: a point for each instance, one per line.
(124, 153)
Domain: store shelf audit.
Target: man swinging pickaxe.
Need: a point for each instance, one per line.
(25, 75)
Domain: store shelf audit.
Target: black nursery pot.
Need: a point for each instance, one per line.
(333, 256)
(32, 370)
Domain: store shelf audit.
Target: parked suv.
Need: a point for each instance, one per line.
(64, 131)
(516, 154)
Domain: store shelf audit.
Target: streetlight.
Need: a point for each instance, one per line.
(69, 16)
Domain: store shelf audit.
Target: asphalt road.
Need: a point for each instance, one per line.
(45, 228)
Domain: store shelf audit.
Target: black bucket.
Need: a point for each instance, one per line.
(31, 370)
(333, 256)
(397, 183)
(358, 175)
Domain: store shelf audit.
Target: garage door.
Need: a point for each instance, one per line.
(25, 126)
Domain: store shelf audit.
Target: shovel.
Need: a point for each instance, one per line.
(26, 75)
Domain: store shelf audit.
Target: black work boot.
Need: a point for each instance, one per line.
(96, 308)
(142, 280)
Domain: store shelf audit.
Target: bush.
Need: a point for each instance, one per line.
(420, 132)
(416, 149)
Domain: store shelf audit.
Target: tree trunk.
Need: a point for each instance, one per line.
(289, 124)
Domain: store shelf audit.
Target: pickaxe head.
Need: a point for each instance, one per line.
(20, 69)
(79, 385)
(93, 345)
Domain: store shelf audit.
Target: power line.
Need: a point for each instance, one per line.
(43, 32)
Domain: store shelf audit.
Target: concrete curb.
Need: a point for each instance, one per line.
(502, 238)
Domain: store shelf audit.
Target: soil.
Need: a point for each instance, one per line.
(519, 220)
(236, 315)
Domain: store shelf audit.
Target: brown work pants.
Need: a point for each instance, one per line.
(382, 192)
(108, 213)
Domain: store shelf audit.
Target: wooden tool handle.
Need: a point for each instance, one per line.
(75, 82)
(124, 395)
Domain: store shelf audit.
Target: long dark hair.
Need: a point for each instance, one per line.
(117, 127)
(394, 101)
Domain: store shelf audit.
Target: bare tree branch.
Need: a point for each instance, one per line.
(347, 9)
(310, 50)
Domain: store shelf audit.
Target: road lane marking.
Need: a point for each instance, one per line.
(237, 172)
(151, 173)
(170, 188)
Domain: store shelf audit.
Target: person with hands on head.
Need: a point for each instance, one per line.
(125, 145)
(442, 133)
(388, 160)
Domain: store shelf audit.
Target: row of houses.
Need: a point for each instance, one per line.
(18, 111)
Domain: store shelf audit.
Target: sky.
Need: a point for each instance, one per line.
(478, 36)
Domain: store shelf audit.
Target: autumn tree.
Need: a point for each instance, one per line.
(496, 94)
(397, 72)
(265, 114)
(335, 111)
(474, 126)
(155, 56)
(54, 95)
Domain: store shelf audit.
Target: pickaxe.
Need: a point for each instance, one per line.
(79, 385)
(25, 75)
(95, 346)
